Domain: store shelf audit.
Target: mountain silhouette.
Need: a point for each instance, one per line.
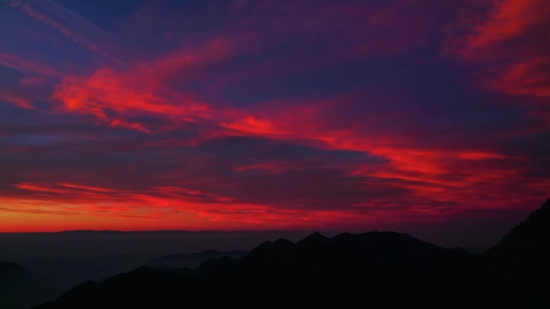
(193, 259)
(318, 271)
(374, 269)
(10, 271)
(8, 267)
(22, 288)
(516, 272)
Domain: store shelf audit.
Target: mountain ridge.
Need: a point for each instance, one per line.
(390, 269)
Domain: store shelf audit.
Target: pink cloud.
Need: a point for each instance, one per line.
(508, 40)
(27, 66)
(15, 98)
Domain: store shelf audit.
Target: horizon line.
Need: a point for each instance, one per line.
(173, 231)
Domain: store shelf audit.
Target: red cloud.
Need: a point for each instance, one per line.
(482, 36)
(509, 40)
(35, 74)
(15, 98)
(423, 170)
(355, 29)
(171, 212)
(27, 66)
(362, 29)
(270, 167)
(530, 78)
(87, 188)
(125, 93)
(39, 188)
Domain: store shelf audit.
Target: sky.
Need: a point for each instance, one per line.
(273, 115)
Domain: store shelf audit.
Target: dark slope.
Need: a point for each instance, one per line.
(8, 267)
(193, 259)
(149, 288)
(21, 288)
(11, 271)
(380, 265)
(530, 236)
(516, 272)
(282, 273)
(14, 283)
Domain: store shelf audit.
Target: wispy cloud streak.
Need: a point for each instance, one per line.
(41, 10)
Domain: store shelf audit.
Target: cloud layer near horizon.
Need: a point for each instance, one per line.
(272, 114)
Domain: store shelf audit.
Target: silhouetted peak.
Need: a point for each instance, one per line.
(317, 235)
(537, 219)
(263, 246)
(344, 236)
(392, 238)
(389, 244)
(210, 252)
(533, 232)
(542, 213)
(270, 246)
(385, 234)
(314, 238)
(270, 251)
(282, 244)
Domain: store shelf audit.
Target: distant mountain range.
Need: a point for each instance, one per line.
(372, 270)
(192, 260)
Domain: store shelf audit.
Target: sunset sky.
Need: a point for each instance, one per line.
(272, 114)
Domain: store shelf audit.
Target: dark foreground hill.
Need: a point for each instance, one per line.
(21, 288)
(516, 272)
(374, 270)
